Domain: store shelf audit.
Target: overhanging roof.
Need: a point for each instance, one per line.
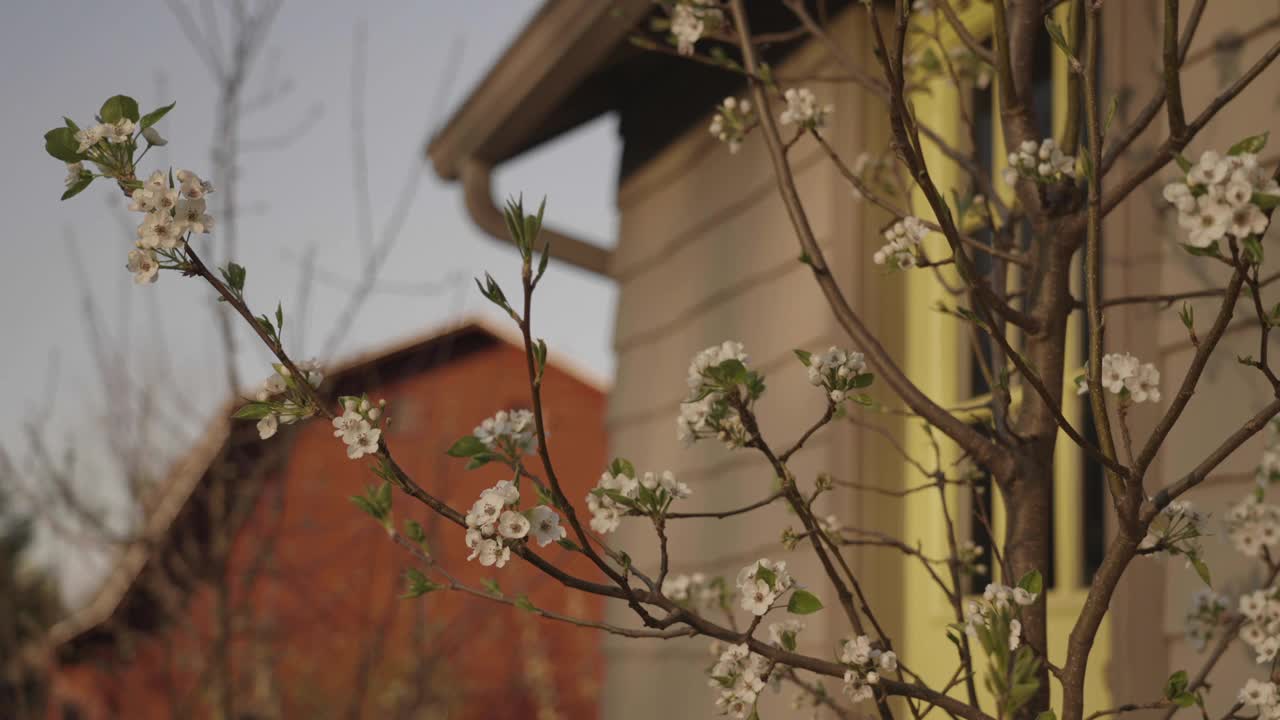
(572, 63)
(533, 91)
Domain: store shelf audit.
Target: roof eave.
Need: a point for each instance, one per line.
(563, 44)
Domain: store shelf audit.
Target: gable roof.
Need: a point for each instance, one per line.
(171, 509)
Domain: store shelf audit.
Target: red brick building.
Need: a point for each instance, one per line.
(296, 611)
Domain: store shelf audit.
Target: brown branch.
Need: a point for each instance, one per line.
(1172, 146)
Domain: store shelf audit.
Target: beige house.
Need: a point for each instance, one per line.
(706, 253)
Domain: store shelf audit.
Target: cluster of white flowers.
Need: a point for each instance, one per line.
(706, 413)
(1124, 375)
(696, 589)
(865, 665)
(494, 524)
(1175, 530)
(1220, 196)
(996, 609)
(1262, 695)
(902, 243)
(1205, 615)
(1253, 525)
(116, 133)
(803, 109)
(171, 214)
(741, 676)
(1261, 629)
(689, 20)
(509, 432)
(618, 493)
(734, 118)
(837, 371)
(1040, 161)
(761, 583)
(358, 426)
(288, 410)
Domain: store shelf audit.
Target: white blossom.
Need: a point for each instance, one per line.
(545, 526)
(513, 525)
(689, 19)
(268, 425)
(191, 186)
(153, 137)
(803, 109)
(783, 634)
(144, 266)
(1216, 198)
(1124, 375)
(89, 137)
(349, 426)
(366, 443)
(902, 243)
(733, 119)
(508, 432)
(74, 171)
(121, 131)
(190, 216)
(706, 413)
(761, 583)
(1042, 162)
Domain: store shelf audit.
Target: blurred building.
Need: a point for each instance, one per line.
(302, 594)
(706, 252)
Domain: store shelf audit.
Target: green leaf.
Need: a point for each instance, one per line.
(154, 116)
(1266, 202)
(1032, 582)
(1111, 114)
(492, 586)
(1183, 163)
(480, 460)
(729, 372)
(279, 317)
(1188, 315)
(1211, 251)
(468, 446)
(803, 603)
(62, 144)
(767, 575)
(1252, 249)
(1201, 569)
(524, 603)
(1176, 685)
(863, 380)
(789, 641)
(568, 545)
(622, 466)
(804, 356)
(1059, 38)
(363, 503)
(1251, 144)
(252, 411)
(418, 584)
(78, 186)
(413, 530)
(383, 496)
(117, 107)
(1186, 699)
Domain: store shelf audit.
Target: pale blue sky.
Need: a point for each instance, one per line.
(64, 57)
